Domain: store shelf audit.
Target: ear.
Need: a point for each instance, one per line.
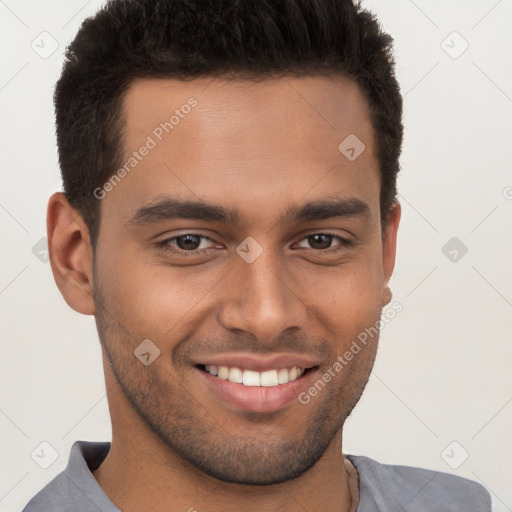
(71, 255)
(389, 248)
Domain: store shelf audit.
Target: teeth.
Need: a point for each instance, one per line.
(283, 376)
(251, 378)
(223, 372)
(235, 375)
(268, 378)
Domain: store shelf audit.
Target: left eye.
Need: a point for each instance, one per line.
(323, 241)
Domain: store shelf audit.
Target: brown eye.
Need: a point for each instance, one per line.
(324, 242)
(188, 242)
(320, 241)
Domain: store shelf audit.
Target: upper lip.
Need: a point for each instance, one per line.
(259, 363)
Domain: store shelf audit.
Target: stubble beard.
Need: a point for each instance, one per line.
(192, 431)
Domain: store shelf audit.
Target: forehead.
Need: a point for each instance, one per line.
(231, 141)
(332, 105)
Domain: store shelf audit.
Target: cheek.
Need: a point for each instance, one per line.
(152, 299)
(353, 284)
(346, 297)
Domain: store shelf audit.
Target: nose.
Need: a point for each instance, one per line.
(260, 298)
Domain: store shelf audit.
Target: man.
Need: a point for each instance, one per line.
(229, 217)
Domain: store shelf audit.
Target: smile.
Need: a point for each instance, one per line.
(267, 378)
(251, 390)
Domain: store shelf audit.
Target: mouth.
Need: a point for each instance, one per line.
(248, 390)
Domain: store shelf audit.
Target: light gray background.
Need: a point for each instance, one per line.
(443, 368)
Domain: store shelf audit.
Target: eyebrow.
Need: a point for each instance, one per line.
(171, 208)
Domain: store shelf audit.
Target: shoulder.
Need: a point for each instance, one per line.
(54, 497)
(417, 489)
(75, 488)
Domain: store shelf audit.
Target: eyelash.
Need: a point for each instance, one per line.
(165, 244)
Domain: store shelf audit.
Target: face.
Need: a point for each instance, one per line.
(245, 246)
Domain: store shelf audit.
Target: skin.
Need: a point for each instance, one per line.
(259, 148)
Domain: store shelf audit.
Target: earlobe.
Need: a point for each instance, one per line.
(71, 255)
(386, 296)
(389, 249)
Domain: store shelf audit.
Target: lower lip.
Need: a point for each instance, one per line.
(258, 398)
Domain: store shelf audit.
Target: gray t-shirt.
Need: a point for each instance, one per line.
(382, 487)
